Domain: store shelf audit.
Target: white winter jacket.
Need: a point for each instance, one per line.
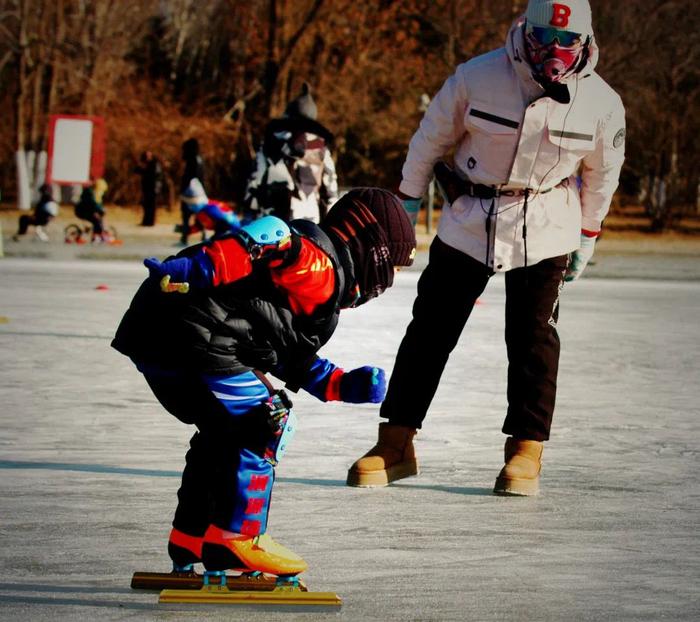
(304, 179)
(508, 135)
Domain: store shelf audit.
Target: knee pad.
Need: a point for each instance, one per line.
(282, 423)
(268, 428)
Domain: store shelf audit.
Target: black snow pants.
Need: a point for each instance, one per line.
(447, 292)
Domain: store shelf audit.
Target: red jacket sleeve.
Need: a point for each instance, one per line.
(308, 282)
(230, 261)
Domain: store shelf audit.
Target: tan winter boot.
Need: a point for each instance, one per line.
(521, 474)
(392, 458)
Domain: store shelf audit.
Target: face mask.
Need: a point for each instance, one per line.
(553, 53)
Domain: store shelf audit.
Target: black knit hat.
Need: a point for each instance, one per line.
(303, 106)
(374, 226)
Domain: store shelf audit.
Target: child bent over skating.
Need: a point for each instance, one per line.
(207, 325)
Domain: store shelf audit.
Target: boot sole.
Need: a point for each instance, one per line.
(182, 556)
(517, 487)
(219, 557)
(378, 479)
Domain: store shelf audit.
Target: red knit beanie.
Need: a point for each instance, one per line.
(360, 206)
(374, 226)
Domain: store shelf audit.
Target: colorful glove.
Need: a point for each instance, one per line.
(176, 274)
(176, 270)
(362, 385)
(330, 383)
(580, 258)
(412, 207)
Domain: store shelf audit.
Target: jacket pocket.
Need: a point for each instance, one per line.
(489, 120)
(490, 144)
(578, 138)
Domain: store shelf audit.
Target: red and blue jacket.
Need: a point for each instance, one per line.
(244, 311)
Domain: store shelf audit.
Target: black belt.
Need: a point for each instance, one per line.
(489, 192)
(453, 186)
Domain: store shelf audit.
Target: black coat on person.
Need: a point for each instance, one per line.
(234, 328)
(193, 163)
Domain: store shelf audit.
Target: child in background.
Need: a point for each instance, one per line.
(44, 212)
(209, 215)
(193, 168)
(90, 208)
(209, 323)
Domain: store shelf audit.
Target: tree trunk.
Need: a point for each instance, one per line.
(60, 29)
(272, 61)
(22, 71)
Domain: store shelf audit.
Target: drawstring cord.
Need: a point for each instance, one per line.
(527, 194)
(488, 225)
(489, 216)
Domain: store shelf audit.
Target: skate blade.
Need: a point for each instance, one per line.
(193, 581)
(219, 595)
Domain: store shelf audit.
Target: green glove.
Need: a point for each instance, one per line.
(412, 207)
(580, 258)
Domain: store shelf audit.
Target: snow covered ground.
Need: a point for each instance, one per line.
(89, 465)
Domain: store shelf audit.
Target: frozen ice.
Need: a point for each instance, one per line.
(90, 465)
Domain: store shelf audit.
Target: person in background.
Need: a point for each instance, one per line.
(523, 120)
(294, 174)
(209, 215)
(193, 168)
(151, 172)
(90, 207)
(45, 211)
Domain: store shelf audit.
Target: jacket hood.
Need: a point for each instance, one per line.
(515, 47)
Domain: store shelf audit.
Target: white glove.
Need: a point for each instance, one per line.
(580, 258)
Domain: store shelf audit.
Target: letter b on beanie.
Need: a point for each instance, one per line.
(571, 15)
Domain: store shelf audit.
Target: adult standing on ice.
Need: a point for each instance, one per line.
(524, 121)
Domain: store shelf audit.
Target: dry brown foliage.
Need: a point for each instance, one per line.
(162, 71)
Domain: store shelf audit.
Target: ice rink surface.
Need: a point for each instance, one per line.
(89, 465)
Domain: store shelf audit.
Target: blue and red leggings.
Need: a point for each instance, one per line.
(226, 480)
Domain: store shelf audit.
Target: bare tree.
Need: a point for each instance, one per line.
(658, 75)
(222, 68)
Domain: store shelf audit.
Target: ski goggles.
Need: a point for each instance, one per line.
(546, 35)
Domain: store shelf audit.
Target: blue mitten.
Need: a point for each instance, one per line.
(362, 385)
(172, 275)
(330, 383)
(178, 268)
(178, 274)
